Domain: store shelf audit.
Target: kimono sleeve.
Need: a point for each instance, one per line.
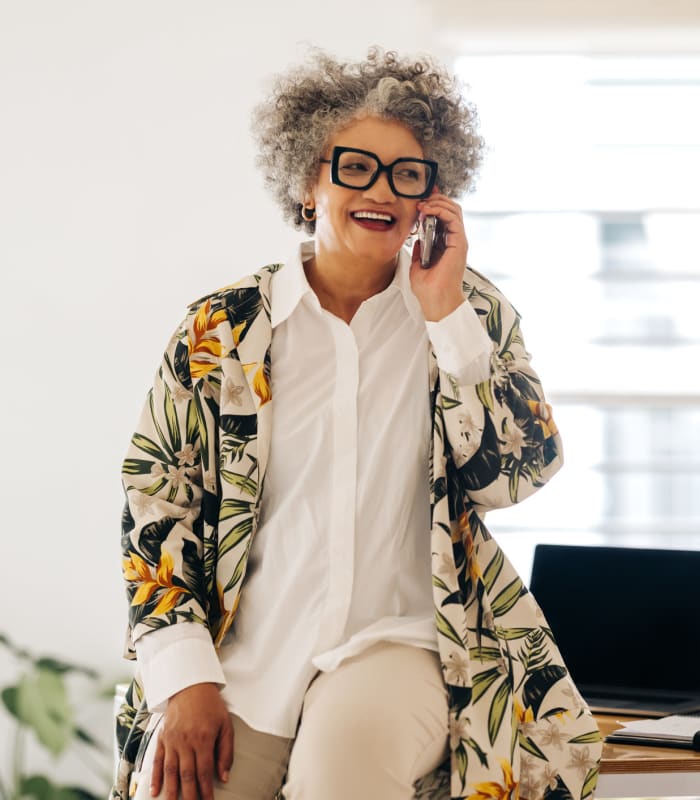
(500, 433)
(162, 543)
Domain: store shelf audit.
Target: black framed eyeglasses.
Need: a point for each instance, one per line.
(360, 169)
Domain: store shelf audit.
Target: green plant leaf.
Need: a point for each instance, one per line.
(61, 667)
(41, 788)
(43, 706)
(87, 738)
(37, 786)
(9, 699)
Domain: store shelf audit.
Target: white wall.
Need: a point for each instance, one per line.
(127, 190)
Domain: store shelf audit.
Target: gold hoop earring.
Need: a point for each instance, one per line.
(308, 214)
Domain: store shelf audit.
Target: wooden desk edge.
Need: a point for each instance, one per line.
(625, 758)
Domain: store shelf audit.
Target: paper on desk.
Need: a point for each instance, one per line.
(673, 727)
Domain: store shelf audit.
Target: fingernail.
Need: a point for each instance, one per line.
(224, 777)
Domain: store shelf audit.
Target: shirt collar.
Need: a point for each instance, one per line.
(290, 286)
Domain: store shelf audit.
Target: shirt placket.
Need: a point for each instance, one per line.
(341, 533)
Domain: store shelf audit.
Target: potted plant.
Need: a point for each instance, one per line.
(40, 706)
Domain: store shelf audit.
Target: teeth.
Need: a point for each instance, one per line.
(373, 215)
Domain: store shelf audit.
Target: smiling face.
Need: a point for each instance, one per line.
(368, 225)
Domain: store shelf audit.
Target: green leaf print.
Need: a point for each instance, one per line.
(164, 441)
(498, 709)
(484, 681)
(236, 535)
(462, 761)
(233, 508)
(508, 597)
(171, 419)
(237, 573)
(149, 446)
(152, 537)
(533, 654)
(440, 584)
(514, 481)
(483, 392)
(244, 482)
(592, 737)
(445, 628)
(590, 783)
(137, 466)
(493, 570)
(450, 402)
(509, 634)
(538, 684)
(529, 746)
(192, 423)
(485, 653)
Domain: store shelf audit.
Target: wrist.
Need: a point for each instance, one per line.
(440, 307)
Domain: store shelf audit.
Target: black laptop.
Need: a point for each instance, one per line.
(627, 622)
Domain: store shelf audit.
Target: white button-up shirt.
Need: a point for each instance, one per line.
(341, 557)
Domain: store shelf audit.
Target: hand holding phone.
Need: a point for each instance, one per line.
(428, 235)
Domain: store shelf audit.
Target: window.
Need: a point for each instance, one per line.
(587, 215)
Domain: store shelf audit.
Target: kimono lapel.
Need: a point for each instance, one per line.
(244, 429)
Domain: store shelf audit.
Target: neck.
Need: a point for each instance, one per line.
(342, 285)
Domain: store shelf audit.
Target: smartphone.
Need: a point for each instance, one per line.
(429, 230)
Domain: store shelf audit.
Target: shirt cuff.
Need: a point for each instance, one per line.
(462, 346)
(175, 657)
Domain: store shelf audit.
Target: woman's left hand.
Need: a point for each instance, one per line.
(439, 286)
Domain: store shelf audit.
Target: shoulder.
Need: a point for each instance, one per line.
(482, 293)
(253, 290)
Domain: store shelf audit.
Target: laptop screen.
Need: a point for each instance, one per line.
(622, 616)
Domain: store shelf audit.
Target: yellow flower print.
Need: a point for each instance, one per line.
(490, 790)
(524, 715)
(465, 534)
(137, 570)
(261, 385)
(237, 331)
(203, 345)
(543, 416)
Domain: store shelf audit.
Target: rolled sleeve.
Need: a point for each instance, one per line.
(173, 658)
(461, 345)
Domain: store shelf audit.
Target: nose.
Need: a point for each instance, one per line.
(380, 191)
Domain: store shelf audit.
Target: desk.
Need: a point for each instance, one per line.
(639, 771)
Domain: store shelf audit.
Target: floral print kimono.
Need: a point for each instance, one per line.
(193, 477)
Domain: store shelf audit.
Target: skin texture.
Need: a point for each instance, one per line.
(195, 744)
(352, 262)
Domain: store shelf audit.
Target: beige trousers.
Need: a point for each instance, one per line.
(368, 730)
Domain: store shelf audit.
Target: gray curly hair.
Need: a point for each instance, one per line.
(308, 103)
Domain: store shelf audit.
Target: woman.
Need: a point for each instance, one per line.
(382, 644)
